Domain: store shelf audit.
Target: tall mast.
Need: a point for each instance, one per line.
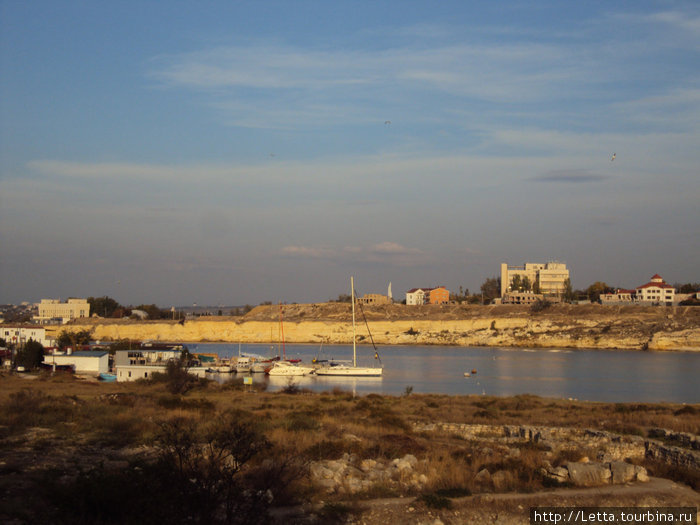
(352, 295)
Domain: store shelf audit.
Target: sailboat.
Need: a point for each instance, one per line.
(288, 367)
(347, 370)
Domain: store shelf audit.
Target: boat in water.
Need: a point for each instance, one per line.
(285, 368)
(343, 369)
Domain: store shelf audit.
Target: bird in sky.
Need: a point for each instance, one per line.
(613, 157)
(387, 122)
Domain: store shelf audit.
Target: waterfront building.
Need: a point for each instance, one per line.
(83, 362)
(545, 278)
(54, 311)
(131, 365)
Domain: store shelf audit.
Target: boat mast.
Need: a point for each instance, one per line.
(352, 298)
(284, 349)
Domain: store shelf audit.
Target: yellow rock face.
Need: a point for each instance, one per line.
(560, 326)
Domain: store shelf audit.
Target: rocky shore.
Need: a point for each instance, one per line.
(559, 326)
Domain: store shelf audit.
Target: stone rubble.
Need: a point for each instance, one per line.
(348, 475)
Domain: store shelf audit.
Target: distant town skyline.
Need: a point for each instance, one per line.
(233, 153)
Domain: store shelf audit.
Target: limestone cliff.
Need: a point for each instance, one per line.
(560, 326)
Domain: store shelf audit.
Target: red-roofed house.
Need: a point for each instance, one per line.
(656, 291)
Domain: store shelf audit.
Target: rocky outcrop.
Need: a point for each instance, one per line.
(596, 474)
(560, 326)
(675, 456)
(610, 447)
(348, 475)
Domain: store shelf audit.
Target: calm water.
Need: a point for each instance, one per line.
(593, 375)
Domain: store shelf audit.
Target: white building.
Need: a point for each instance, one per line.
(19, 335)
(54, 311)
(618, 297)
(656, 291)
(547, 278)
(131, 365)
(417, 296)
(83, 362)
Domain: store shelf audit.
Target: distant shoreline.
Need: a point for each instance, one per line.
(560, 326)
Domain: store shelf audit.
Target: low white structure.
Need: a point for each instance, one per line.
(136, 372)
(618, 297)
(131, 365)
(83, 362)
(521, 298)
(20, 334)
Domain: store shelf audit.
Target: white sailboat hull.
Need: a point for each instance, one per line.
(288, 369)
(357, 371)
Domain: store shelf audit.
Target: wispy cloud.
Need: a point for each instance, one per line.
(387, 252)
(571, 176)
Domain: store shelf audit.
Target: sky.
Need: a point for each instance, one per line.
(239, 152)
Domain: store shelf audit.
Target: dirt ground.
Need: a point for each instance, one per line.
(501, 509)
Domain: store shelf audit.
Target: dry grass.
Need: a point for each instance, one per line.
(303, 427)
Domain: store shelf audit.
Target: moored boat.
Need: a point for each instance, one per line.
(285, 368)
(353, 370)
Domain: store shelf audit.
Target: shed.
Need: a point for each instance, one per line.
(83, 362)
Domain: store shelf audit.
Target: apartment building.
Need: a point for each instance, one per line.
(547, 278)
(54, 311)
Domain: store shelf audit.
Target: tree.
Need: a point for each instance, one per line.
(516, 283)
(103, 306)
(152, 310)
(596, 289)
(31, 355)
(568, 290)
(73, 339)
(491, 289)
(527, 285)
(536, 287)
(687, 288)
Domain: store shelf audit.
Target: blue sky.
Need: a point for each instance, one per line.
(238, 152)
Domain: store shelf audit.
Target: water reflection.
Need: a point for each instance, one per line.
(593, 375)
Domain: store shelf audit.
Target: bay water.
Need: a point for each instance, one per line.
(591, 375)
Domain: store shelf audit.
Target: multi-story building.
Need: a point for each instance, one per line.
(20, 334)
(546, 278)
(54, 311)
(416, 296)
(656, 291)
(439, 295)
